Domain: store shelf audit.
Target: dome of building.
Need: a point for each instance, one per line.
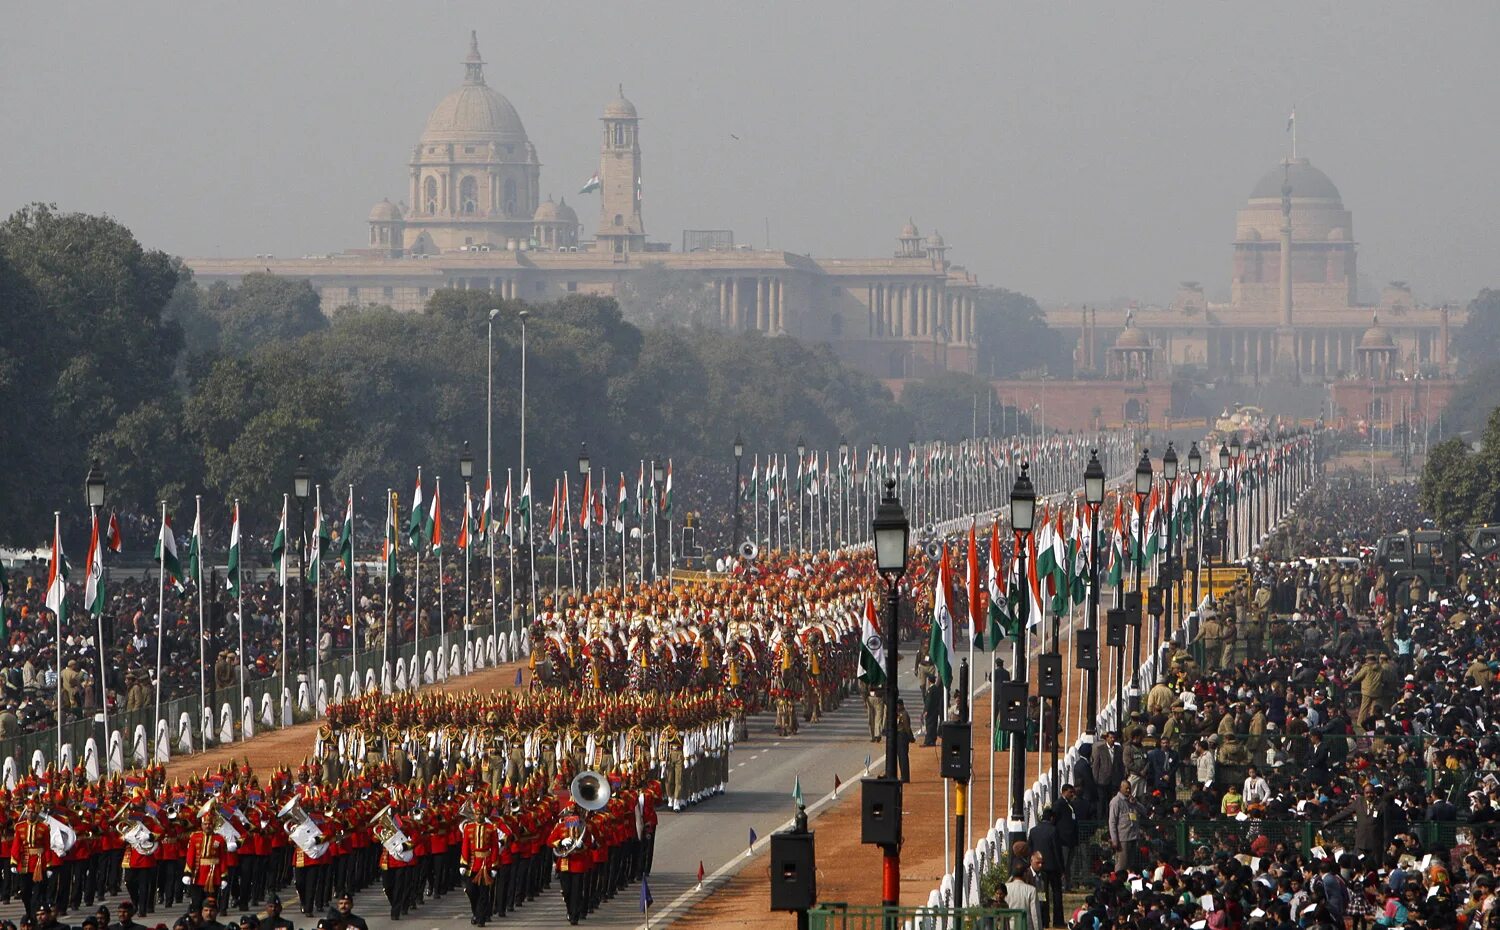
(1132, 338)
(546, 212)
(565, 213)
(475, 113)
(385, 212)
(1376, 337)
(909, 231)
(619, 108)
(1306, 182)
(935, 241)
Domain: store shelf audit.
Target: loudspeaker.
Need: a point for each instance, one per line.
(1133, 608)
(1049, 675)
(880, 811)
(1086, 649)
(794, 880)
(956, 763)
(1115, 624)
(1155, 600)
(1013, 706)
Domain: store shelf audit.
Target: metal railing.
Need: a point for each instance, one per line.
(334, 674)
(835, 915)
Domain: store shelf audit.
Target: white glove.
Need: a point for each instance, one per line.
(187, 879)
(493, 873)
(463, 870)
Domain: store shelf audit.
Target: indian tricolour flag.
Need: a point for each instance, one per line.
(871, 648)
(940, 642)
(525, 507)
(666, 495)
(166, 549)
(591, 185)
(435, 518)
(621, 506)
(1001, 623)
(416, 525)
(57, 578)
(485, 511)
(232, 574)
(278, 546)
(93, 590)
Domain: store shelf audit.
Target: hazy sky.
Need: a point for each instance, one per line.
(1074, 151)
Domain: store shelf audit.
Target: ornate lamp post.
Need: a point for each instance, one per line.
(1093, 495)
(1195, 468)
(739, 453)
(892, 532)
(1234, 501)
(466, 472)
(302, 489)
(1169, 477)
(93, 487)
(1022, 519)
(1143, 478)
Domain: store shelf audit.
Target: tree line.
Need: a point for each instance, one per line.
(111, 351)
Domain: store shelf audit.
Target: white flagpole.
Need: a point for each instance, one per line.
(531, 541)
(386, 680)
(57, 616)
(437, 499)
(468, 545)
(205, 718)
(161, 602)
(281, 576)
(489, 539)
(353, 605)
(239, 610)
(510, 548)
(317, 548)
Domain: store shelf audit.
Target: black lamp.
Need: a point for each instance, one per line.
(583, 458)
(466, 462)
(1195, 460)
(892, 534)
(1093, 480)
(1023, 501)
(93, 485)
(301, 479)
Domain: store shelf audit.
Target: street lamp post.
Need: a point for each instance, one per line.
(1143, 477)
(1093, 495)
(586, 486)
(1022, 518)
(1234, 502)
(658, 475)
(801, 483)
(892, 533)
(1195, 468)
(489, 477)
(1169, 477)
(739, 453)
(93, 486)
(843, 491)
(466, 472)
(302, 489)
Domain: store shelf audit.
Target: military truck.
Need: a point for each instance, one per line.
(1426, 561)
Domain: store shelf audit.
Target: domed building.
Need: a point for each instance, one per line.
(1323, 256)
(475, 176)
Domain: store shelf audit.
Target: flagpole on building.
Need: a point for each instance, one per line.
(161, 601)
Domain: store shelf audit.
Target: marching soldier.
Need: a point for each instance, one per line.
(207, 861)
(31, 856)
(478, 862)
(569, 843)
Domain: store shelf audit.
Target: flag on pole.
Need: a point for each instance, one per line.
(113, 540)
(940, 642)
(435, 519)
(232, 575)
(975, 588)
(508, 530)
(463, 524)
(646, 899)
(415, 527)
(700, 873)
(346, 536)
(666, 496)
(796, 796)
(485, 516)
(278, 547)
(166, 548)
(753, 838)
(591, 185)
(319, 533)
(555, 515)
(57, 579)
(195, 547)
(871, 647)
(1002, 621)
(525, 506)
(392, 538)
(93, 590)
(621, 506)
(586, 518)
(640, 492)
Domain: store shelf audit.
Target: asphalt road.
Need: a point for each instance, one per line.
(716, 832)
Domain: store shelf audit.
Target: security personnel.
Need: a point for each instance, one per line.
(207, 861)
(31, 856)
(478, 861)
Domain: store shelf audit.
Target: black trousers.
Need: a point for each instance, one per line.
(574, 894)
(1052, 881)
(33, 892)
(479, 898)
(903, 757)
(139, 885)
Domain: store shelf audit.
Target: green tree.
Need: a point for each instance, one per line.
(656, 296)
(1014, 338)
(946, 406)
(1449, 483)
(263, 309)
(1479, 337)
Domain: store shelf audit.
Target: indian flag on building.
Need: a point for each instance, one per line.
(166, 548)
(591, 185)
(871, 648)
(940, 642)
(57, 577)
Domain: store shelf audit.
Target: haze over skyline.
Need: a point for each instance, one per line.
(1073, 153)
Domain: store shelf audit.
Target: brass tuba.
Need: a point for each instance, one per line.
(397, 844)
(590, 791)
(301, 828)
(135, 832)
